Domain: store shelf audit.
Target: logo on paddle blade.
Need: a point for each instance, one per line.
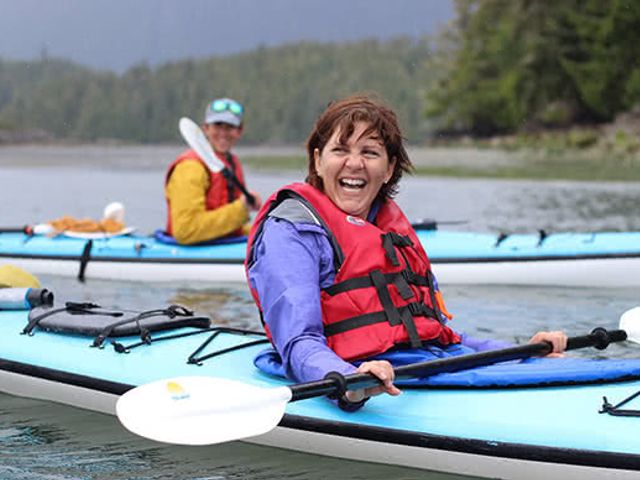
(355, 221)
(176, 391)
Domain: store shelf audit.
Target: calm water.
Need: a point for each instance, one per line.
(46, 441)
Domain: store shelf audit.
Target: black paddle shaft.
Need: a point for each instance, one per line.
(26, 229)
(599, 338)
(231, 176)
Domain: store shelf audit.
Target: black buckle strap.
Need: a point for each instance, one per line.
(390, 241)
(346, 285)
(415, 309)
(355, 322)
(400, 240)
(401, 280)
(616, 411)
(88, 308)
(420, 310)
(414, 279)
(403, 286)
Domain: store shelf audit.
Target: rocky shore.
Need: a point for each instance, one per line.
(20, 137)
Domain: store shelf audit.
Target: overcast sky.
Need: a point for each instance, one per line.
(115, 34)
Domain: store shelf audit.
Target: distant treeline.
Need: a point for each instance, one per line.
(282, 88)
(513, 65)
(502, 66)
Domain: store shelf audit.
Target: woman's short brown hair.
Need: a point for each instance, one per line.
(343, 115)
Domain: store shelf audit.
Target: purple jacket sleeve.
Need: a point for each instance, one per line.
(291, 263)
(483, 344)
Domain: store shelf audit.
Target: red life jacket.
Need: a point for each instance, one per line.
(221, 190)
(383, 295)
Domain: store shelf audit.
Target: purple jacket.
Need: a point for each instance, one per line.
(291, 263)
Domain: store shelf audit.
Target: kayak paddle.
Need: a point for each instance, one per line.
(196, 139)
(431, 224)
(39, 229)
(203, 410)
(25, 229)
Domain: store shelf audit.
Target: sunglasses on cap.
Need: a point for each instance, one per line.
(224, 105)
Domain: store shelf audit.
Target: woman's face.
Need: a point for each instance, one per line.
(353, 172)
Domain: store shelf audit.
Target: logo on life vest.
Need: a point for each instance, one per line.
(356, 221)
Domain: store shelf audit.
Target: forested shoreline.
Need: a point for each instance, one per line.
(283, 89)
(510, 73)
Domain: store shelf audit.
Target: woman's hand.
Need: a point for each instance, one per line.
(384, 372)
(558, 341)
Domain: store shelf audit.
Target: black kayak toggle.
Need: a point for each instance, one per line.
(616, 411)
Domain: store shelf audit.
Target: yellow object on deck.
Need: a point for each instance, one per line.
(15, 277)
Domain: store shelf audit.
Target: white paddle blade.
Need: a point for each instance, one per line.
(195, 138)
(201, 410)
(630, 323)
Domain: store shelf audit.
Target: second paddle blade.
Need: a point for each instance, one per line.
(630, 323)
(197, 140)
(201, 410)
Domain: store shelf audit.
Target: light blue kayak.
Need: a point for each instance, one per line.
(608, 259)
(551, 432)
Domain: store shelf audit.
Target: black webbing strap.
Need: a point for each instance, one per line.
(380, 283)
(227, 176)
(71, 307)
(171, 312)
(401, 280)
(85, 256)
(412, 330)
(415, 309)
(403, 287)
(356, 322)
(616, 411)
(390, 241)
(391, 311)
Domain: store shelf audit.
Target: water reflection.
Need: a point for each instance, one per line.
(225, 307)
(66, 443)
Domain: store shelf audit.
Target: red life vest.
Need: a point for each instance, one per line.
(221, 190)
(383, 295)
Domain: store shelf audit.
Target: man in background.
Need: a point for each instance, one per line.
(204, 205)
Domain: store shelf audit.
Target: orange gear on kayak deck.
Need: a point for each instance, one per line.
(85, 225)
